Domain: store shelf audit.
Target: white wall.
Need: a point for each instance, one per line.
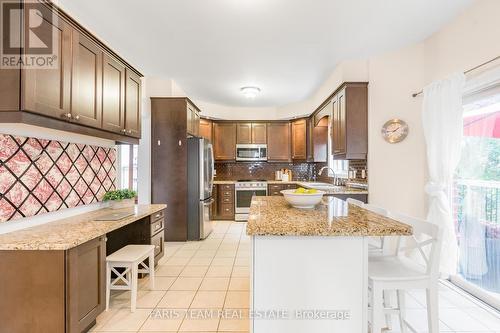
(50, 134)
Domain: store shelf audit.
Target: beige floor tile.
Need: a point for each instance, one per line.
(123, 320)
(225, 254)
(215, 284)
(145, 299)
(237, 300)
(242, 261)
(184, 253)
(172, 271)
(237, 283)
(219, 271)
(194, 271)
(209, 253)
(103, 319)
(174, 261)
(217, 235)
(222, 261)
(200, 261)
(235, 321)
(174, 299)
(161, 283)
(198, 321)
(209, 300)
(191, 246)
(162, 320)
(186, 283)
(241, 271)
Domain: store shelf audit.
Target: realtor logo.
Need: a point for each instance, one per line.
(29, 35)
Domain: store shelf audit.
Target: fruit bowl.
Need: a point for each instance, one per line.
(305, 199)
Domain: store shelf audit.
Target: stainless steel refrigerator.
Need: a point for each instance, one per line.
(200, 184)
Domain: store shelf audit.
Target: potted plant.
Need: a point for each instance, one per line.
(120, 198)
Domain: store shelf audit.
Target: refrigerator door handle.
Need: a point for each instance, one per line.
(211, 201)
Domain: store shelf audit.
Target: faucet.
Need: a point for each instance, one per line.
(335, 179)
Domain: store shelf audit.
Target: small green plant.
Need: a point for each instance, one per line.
(119, 195)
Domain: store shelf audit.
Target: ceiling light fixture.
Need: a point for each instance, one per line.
(250, 92)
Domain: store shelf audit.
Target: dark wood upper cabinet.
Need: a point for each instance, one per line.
(47, 91)
(259, 133)
(251, 133)
(278, 142)
(193, 120)
(132, 104)
(319, 140)
(206, 129)
(91, 91)
(243, 133)
(299, 139)
(86, 82)
(350, 122)
(224, 141)
(113, 94)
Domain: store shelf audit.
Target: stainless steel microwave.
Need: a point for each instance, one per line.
(251, 152)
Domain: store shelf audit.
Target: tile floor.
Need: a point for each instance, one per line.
(199, 282)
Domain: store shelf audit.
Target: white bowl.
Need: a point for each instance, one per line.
(302, 200)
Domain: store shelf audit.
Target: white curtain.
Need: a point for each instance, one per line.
(443, 129)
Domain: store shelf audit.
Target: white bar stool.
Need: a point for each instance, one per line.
(400, 273)
(129, 258)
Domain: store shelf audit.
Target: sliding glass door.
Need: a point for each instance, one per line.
(476, 200)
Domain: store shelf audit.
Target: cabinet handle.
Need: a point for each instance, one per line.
(67, 115)
(129, 131)
(157, 246)
(158, 226)
(124, 131)
(158, 215)
(77, 117)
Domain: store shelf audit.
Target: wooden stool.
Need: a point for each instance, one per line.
(129, 258)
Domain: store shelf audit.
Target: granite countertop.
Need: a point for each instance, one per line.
(273, 216)
(70, 232)
(336, 190)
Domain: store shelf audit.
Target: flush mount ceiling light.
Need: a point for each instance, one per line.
(250, 92)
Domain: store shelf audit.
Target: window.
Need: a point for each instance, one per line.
(476, 200)
(127, 168)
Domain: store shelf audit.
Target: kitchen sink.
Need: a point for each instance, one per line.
(321, 186)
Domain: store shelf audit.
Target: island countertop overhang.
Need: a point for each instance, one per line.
(273, 216)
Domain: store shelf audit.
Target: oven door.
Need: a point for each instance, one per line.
(244, 198)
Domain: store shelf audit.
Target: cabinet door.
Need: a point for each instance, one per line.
(320, 140)
(224, 141)
(190, 119)
(132, 104)
(86, 283)
(299, 137)
(334, 125)
(259, 133)
(278, 141)
(244, 133)
(47, 91)
(86, 86)
(206, 129)
(196, 123)
(113, 94)
(341, 124)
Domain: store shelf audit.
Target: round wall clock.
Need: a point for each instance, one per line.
(395, 130)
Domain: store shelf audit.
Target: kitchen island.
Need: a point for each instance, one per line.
(309, 267)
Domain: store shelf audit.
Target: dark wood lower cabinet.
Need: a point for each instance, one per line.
(63, 291)
(85, 284)
(224, 202)
(275, 189)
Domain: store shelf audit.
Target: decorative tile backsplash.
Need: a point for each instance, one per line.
(261, 170)
(39, 176)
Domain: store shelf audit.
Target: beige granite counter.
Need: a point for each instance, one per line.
(332, 217)
(224, 181)
(70, 232)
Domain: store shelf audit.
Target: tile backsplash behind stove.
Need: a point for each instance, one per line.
(262, 170)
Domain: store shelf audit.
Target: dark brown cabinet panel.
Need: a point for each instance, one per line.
(275, 189)
(113, 94)
(278, 141)
(205, 130)
(224, 202)
(224, 141)
(193, 120)
(132, 104)
(350, 122)
(299, 139)
(319, 140)
(85, 275)
(47, 91)
(244, 133)
(86, 82)
(259, 133)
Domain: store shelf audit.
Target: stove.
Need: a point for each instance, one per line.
(245, 189)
